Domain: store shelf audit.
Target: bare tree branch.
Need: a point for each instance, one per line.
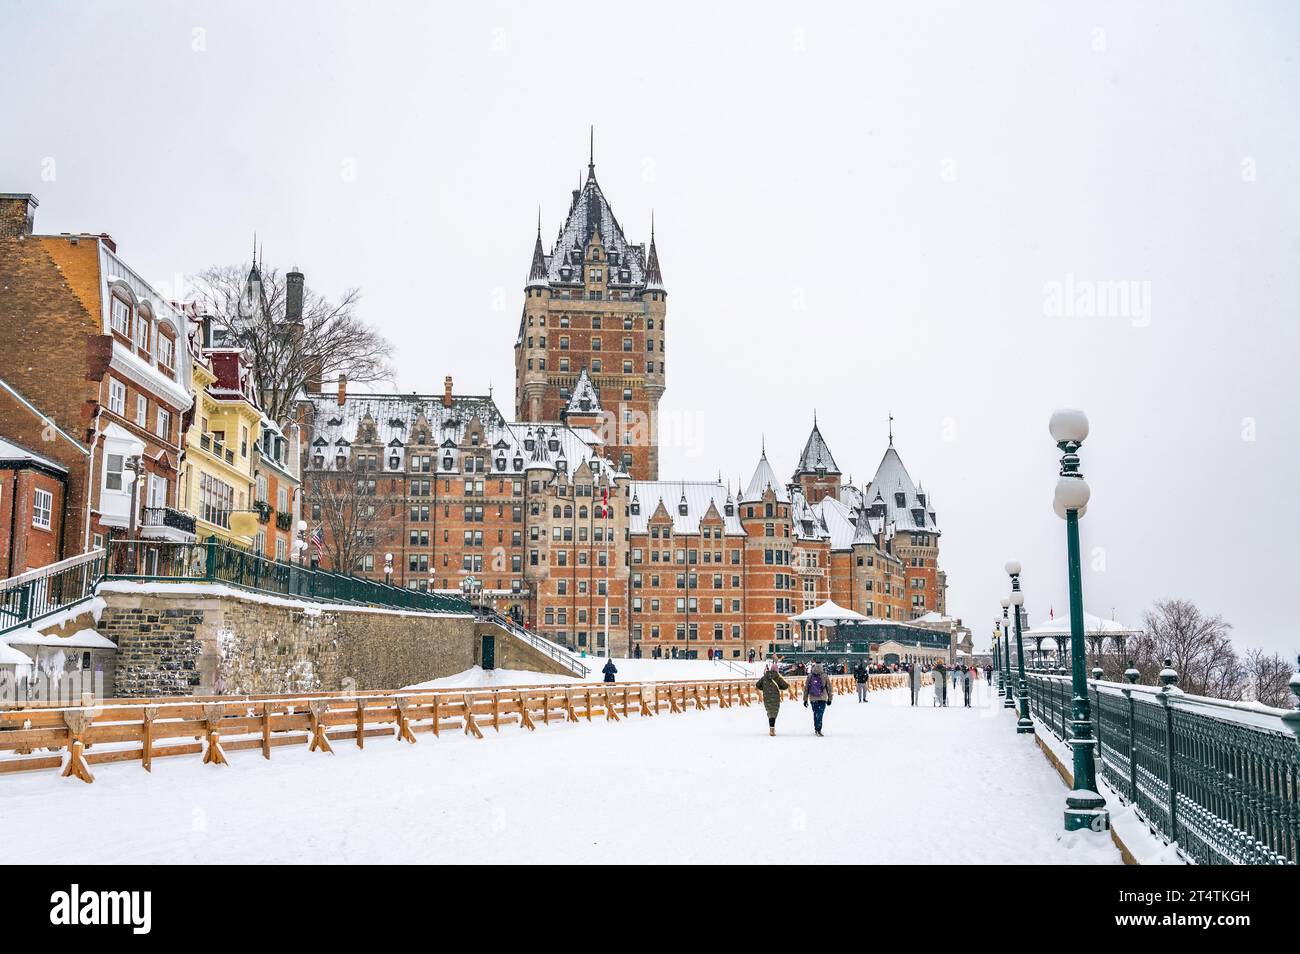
(331, 339)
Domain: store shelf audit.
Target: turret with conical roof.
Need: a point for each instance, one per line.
(817, 474)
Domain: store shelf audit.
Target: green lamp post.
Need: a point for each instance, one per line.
(997, 651)
(1008, 697)
(1024, 725)
(1084, 806)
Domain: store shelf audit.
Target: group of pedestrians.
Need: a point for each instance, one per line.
(956, 677)
(817, 695)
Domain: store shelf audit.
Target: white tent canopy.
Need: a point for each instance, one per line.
(830, 613)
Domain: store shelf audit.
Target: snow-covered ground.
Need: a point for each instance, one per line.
(888, 784)
(629, 670)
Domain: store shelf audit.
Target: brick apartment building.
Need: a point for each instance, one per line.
(102, 382)
(32, 489)
(559, 517)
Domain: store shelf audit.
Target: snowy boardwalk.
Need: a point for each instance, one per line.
(888, 784)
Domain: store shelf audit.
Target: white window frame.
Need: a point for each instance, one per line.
(117, 397)
(109, 472)
(141, 410)
(42, 508)
(120, 310)
(166, 351)
(163, 427)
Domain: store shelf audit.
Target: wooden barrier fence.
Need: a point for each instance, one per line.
(146, 729)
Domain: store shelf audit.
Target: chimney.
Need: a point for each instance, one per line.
(108, 240)
(314, 375)
(205, 334)
(446, 391)
(343, 389)
(17, 214)
(293, 296)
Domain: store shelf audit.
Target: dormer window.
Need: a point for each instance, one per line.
(682, 508)
(501, 463)
(121, 317)
(566, 273)
(900, 499)
(729, 509)
(921, 499)
(529, 444)
(394, 462)
(553, 444)
(447, 462)
(519, 463)
(166, 351)
(562, 465)
(636, 507)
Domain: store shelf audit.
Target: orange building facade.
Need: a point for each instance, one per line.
(559, 517)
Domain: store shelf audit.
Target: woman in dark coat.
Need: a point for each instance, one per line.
(771, 685)
(609, 671)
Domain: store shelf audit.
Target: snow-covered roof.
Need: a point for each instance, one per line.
(13, 657)
(763, 479)
(585, 398)
(807, 520)
(82, 639)
(589, 211)
(906, 507)
(1093, 625)
(10, 451)
(393, 422)
(699, 496)
(816, 455)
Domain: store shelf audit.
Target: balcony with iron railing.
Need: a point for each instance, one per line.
(159, 517)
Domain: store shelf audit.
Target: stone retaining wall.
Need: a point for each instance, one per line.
(213, 640)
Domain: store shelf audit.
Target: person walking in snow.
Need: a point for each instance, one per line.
(771, 685)
(967, 683)
(988, 674)
(817, 691)
(609, 670)
(914, 681)
(940, 686)
(860, 676)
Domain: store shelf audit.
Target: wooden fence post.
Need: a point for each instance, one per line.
(146, 736)
(77, 721)
(214, 753)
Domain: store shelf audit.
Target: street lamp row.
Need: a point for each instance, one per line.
(1084, 806)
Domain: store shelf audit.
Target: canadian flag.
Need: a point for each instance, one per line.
(604, 503)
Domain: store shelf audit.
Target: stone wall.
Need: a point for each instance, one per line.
(214, 640)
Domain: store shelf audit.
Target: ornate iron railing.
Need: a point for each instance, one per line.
(167, 517)
(215, 561)
(36, 594)
(1220, 779)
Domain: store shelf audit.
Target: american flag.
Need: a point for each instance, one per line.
(318, 541)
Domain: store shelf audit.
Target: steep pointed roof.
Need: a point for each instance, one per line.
(654, 279)
(585, 398)
(816, 455)
(905, 507)
(590, 211)
(764, 477)
(537, 272)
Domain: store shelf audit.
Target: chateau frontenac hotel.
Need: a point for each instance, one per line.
(560, 517)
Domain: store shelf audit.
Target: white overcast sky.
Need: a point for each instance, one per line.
(858, 209)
